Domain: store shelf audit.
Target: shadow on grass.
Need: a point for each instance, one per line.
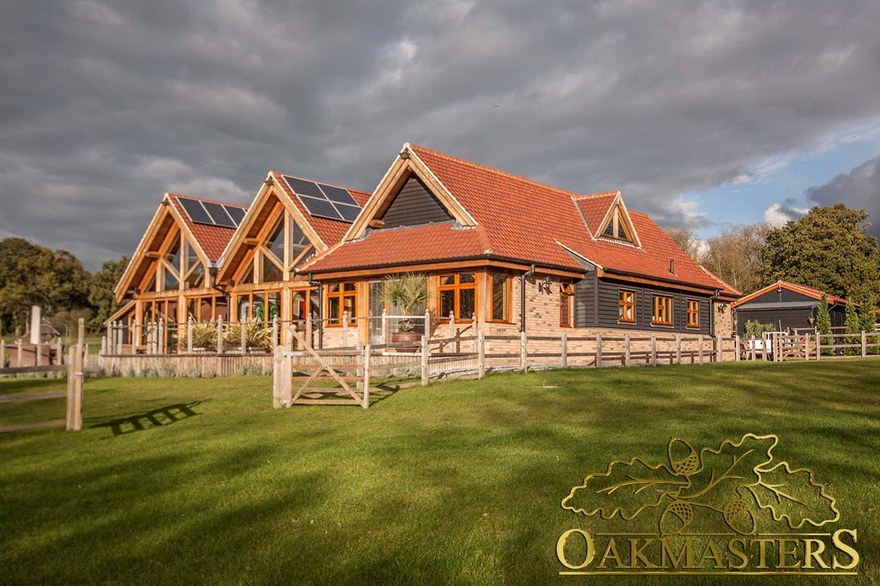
(152, 418)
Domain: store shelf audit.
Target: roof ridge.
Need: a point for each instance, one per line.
(584, 196)
(223, 203)
(495, 171)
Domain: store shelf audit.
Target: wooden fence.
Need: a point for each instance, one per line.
(75, 369)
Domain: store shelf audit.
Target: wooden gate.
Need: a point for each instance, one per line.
(304, 367)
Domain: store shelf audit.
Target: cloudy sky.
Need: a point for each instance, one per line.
(702, 113)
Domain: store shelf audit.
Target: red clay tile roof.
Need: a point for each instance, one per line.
(211, 239)
(520, 219)
(330, 231)
(802, 289)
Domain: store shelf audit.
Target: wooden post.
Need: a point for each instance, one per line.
(737, 341)
(385, 337)
(366, 376)
(277, 357)
(523, 352)
(818, 346)
(678, 348)
(219, 334)
(753, 350)
(275, 341)
(38, 358)
(564, 349)
(189, 335)
(451, 324)
(59, 352)
(807, 346)
(700, 342)
(107, 349)
(627, 350)
(424, 361)
(3, 354)
(309, 329)
(19, 353)
(242, 334)
(474, 330)
(345, 328)
(71, 375)
(481, 361)
(653, 349)
(79, 375)
(864, 344)
(428, 331)
(598, 350)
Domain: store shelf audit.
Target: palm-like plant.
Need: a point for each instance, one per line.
(408, 292)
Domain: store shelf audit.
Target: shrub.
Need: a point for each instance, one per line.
(255, 335)
(823, 326)
(204, 335)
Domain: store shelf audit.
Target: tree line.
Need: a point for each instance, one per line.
(828, 249)
(56, 281)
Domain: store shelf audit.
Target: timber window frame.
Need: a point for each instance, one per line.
(566, 305)
(341, 297)
(693, 313)
(662, 311)
(457, 293)
(499, 297)
(626, 306)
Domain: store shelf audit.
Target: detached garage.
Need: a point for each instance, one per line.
(787, 306)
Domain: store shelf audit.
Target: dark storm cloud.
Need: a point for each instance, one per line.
(106, 105)
(858, 189)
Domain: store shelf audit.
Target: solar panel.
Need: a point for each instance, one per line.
(320, 207)
(218, 214)
(348, 213)
(325, 201)
(237, 214)
(195, 210)
(337, 194)
(301, 187)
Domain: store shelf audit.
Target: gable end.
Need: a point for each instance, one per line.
(414, 205)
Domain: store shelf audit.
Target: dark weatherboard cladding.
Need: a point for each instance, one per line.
(414, 205)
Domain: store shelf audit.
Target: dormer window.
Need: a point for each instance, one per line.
(617, 226)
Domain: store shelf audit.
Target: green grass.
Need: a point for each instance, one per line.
(459, 482)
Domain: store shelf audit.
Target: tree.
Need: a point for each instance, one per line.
(735, 256)
(686, 239)
(852, 326)
(102, 287)
(34, 275)
(868, 318)
(823, 325)
(827, 249)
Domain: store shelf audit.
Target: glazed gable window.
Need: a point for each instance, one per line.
(341, 298)
(458, 296)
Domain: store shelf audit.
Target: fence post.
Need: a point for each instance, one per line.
(700, 342)
(345, 322)
(864, 344)
(3, 354)
(598, 350)
(19, 354)
(818, 346)
(384, 329)
(678, 348)
(427, 324)
(275, 341)
(807, 346)
(219, 334)
(366, 376)
(189, 335)
(424, 361)
(242, 334)
(474, 330)
(481, 362)
(627, 349)
(653, 349)
(71, 375)
(523, 352)
(309, 330)
(276, 377)
(564, 349)
(59, 352)
(38, 354)
(74, 388)
(752, 349)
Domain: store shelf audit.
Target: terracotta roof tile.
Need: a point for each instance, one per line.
(520, 219)
(801, 289)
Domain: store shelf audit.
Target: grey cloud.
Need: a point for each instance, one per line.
(107, 105)
(858, 189)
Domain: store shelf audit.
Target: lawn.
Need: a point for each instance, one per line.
(198, 481)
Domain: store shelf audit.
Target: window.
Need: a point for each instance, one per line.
(458, 296)
(341, 298)
(617, 228)
(499, 293)
(662, 310)
(693, 308)
(566, 301)
(626, 311)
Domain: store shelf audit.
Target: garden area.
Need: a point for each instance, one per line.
(201, 481)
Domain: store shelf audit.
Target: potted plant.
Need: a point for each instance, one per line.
(407, 293)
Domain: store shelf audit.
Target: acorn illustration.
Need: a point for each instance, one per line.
(676, 516)
(687, 465)
(739, 517)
